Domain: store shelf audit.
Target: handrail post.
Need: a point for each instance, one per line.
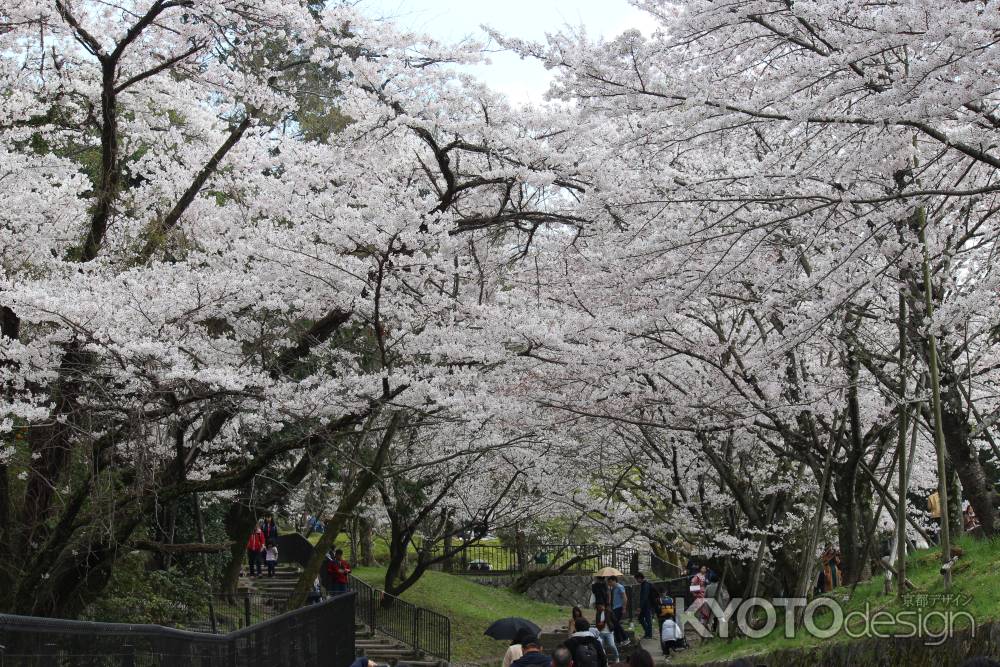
(128, 655)
(49, 653)
(416, 630)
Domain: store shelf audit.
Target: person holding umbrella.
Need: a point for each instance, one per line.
(599, 592)
(514, 652)
(517, 630)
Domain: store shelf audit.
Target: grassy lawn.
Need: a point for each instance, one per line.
(471, 607)
(975, 589)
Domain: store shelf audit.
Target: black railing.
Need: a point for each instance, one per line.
(426, 631)
(500, 559)
(224, 612)
(320, 635)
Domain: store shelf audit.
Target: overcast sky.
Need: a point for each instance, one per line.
(521, 80)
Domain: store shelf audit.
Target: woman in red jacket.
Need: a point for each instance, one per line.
(337, 570)
(255, 550)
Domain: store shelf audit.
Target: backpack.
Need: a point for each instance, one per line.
(666, 606)
(587, 655)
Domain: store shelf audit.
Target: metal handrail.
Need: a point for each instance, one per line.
(312, 636)
(425, 630)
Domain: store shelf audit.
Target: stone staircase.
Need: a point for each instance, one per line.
(384, 650)
(377, 647)
(281, 584)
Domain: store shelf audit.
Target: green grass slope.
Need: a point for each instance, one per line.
(975, 589)
(471, 608)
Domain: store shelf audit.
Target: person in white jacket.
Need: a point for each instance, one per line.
(671, 635)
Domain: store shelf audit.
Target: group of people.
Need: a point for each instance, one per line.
(598, 642)
(262, 552)
(262, 547)
(334, 577)
(582, 649)
(609, 598)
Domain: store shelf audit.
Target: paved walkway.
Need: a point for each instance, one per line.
(653, 646)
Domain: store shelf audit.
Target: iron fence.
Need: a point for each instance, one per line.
(228, 612)
(426, 631)
(320, 635)
(501, 559)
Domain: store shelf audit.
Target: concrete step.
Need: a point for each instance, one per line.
(384, 650)
(388, 650)
(275, 583)
(378, 641)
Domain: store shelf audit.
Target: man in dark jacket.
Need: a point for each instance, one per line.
(586, 648)
(647, 598)
(532, 656)
(269, 528)
(600, 590)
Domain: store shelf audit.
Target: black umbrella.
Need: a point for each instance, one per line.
(512, 627)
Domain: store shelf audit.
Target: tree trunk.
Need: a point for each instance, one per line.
(367, 543)
(849, 524)
(352, 495)
(964, 457)
(901, 450)
(238, 523)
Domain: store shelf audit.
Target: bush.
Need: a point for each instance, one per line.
(172, 597)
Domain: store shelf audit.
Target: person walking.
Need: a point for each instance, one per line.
(670, 635)
(831, 568)
(619, 598)
(338, 570)
(647, 598)
(269, 528)
(699, 584)
(605, 625)
(665, 607)
(587, 650)
(532, 655)
(599, 592)
(271, 557)
(255, 551)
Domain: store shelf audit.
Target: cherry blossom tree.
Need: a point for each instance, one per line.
(759, 174)
(200, 289)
